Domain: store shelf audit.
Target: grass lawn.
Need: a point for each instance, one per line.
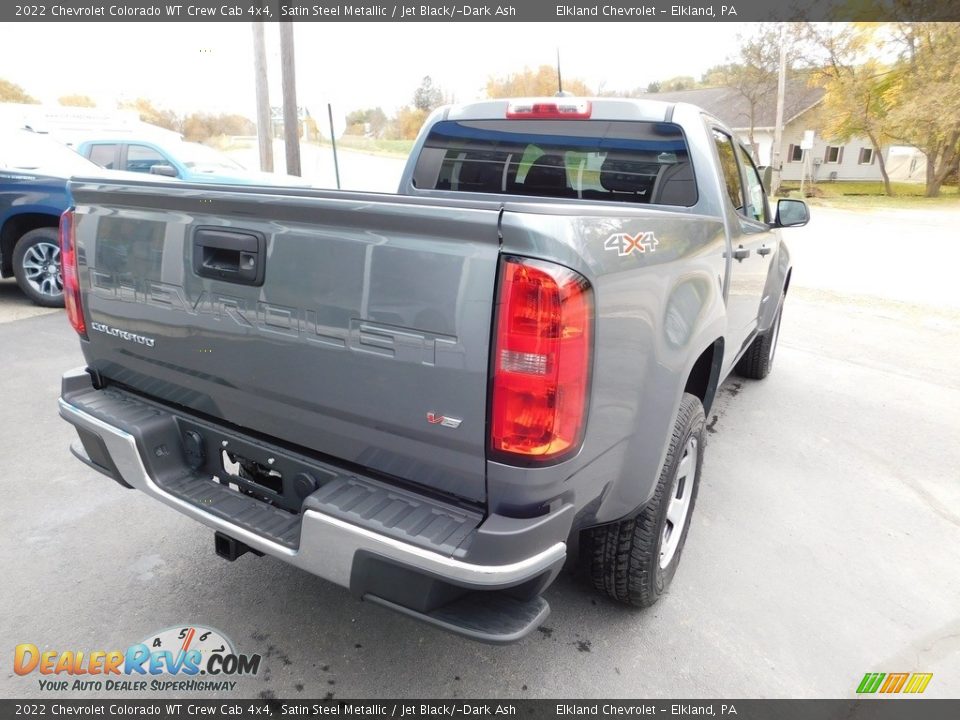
(870, 195)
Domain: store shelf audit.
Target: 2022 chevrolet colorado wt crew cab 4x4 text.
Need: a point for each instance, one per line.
(433, 397)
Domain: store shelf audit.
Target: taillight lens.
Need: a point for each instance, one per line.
(541, 362)
(71, 273)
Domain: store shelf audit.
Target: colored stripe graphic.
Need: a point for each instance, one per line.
(913, 683)
(870, 682)
(894, 682)
(918, 682)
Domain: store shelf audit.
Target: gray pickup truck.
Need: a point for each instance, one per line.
(435, 398)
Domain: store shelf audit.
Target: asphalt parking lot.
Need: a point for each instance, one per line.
(825, 542)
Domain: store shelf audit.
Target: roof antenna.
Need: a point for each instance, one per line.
(560, 91)
(559, 77)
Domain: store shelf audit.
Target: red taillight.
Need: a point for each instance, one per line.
(71, 273)
(561, 109)
(541, 362)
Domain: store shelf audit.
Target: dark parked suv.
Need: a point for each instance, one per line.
(33, 192)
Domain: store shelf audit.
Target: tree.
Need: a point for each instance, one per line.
(407, 123)
(77, 101)
(198, 127)
(653, 87)
(154, 115)
(723, 75)
(754, 73)
(372, 120)
(13, 93)
(923, 95)
(680, 82)
(896, 82)
(428, 96)
(857, 101)
(410, 118)
(541, 82)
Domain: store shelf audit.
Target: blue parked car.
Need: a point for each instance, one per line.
(187, 161)
(33, 192)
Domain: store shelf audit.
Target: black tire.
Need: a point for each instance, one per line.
(43, 287)
(757, 362)
(624, 558)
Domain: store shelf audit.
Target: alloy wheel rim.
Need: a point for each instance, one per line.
(41, 268)
(776, 336)
(678, 509)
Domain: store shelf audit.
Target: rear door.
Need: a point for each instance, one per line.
(354, 325)
(748, 238)
(106, 155)
(761, 238)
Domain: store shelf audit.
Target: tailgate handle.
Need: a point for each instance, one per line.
(234, 256)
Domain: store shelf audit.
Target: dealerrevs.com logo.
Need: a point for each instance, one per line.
(183, 658)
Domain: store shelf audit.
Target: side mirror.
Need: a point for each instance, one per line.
(792, 213)
(165, 170)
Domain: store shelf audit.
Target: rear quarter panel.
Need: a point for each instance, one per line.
(655, 313)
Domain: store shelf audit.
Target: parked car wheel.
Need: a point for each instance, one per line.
(36, 265)
(757, 361)
(634, 560)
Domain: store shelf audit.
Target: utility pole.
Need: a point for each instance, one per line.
(291, 136)
(776, 160)
(264, 123)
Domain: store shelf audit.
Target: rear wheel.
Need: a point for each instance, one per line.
(36, 265)
(634, 560)
(757, 361)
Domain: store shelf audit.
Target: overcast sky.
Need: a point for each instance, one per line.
(209, 66)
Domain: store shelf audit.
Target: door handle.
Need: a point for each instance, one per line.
(235, 256)
(740, 253)
(764, 250)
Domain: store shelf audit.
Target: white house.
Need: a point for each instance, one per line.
(829, 159)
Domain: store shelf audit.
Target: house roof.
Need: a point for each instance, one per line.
(730, 106)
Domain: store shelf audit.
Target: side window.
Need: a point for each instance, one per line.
(104, 155)
(756, 201)
(141, 158)
(728, 166)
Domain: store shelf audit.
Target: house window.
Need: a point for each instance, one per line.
(795, 154)
(833, 155)
(866, 156)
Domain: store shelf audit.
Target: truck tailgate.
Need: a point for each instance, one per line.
(353, 325)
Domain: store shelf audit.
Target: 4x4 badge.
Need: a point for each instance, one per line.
(626, 244)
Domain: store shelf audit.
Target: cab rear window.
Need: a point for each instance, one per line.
(619, 161)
